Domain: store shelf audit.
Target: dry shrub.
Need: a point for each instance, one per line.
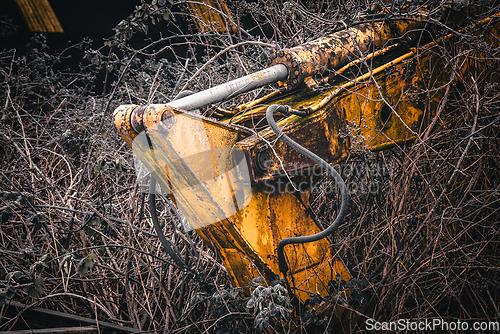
(76, 234)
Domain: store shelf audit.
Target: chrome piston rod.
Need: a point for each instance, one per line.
(230, 89)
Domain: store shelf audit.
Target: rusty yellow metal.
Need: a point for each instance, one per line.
(272, 216)
(177, 161)
(39, 16)
(211, 15)
(334, 51)
(376, 102)
(246, 240)
(382, 106)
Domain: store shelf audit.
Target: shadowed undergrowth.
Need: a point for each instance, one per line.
(76, 233)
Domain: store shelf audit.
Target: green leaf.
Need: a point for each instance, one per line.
(312, 302)
(306, 316)
(38, 267)
(95, 60)
(85, 264)
(284, 312)
(166, 14)
(354, 281)
(234, 293)
(273, 310)
(200, 296)
(45, 258)
(33, 293)
(9, 292)
(6, 294)
(38, 286)
(357, 295)
(256, 281)
(251, 303)
(257, 292)
(266, 292)
(65, 260)
(15, 274)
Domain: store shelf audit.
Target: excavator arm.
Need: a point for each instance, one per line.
(246, 191)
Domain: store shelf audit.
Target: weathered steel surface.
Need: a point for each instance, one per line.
(211, 15)
(183, 151)
(247, 239)
(334, 51)
(386, 106)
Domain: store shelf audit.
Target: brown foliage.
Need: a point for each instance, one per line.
(72, 214)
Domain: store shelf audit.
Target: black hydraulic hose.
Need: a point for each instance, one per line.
(324, 166)
(158, 229)
(152, 208)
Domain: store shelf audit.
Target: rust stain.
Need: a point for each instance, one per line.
(247, 240)
(336, 50)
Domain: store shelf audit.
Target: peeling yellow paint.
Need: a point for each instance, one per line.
(211, 15)
(379, 105)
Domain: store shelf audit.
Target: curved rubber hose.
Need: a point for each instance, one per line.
(156, 224)
(152, 208)
(324, 166)
(182, 94)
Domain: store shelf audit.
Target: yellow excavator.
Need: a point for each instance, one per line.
(245, 189)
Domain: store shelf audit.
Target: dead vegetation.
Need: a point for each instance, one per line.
(76, 234)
